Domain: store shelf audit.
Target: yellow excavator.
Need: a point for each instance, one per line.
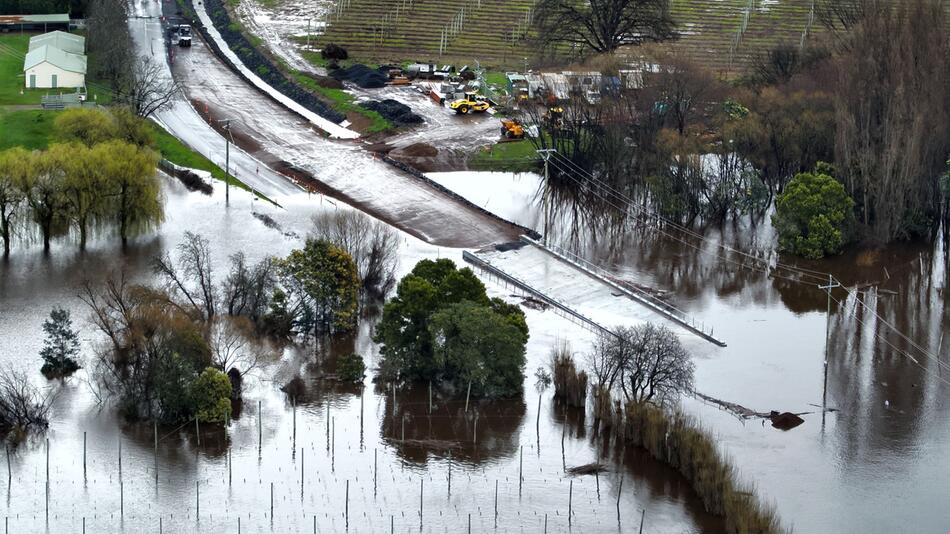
(511, 129)
(471, 102)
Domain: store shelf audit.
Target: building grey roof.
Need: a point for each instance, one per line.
(67, 42)
(56, 57)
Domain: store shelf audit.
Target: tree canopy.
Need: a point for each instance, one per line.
(322, 280)
(813, 215)
(603, 25)
(442, 326)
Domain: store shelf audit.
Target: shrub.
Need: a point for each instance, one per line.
(570, 385)
(813, 215)
(350, 368)
(211, 396)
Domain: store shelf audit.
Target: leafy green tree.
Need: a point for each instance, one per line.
(89, 126)
(813, 215)
(61, 345)
(409, 339)
(83, 185)
(131, 128)
(211, 396)
(350, 368)
(474, 344)
(16, 164)
(322, 278)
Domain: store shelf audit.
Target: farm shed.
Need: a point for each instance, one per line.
(48, 67)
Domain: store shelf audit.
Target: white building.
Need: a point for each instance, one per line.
(55, 60)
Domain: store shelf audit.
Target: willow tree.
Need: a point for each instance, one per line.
(129, 172)
(15, 169)
(46, 198)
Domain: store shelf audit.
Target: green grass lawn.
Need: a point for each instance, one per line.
(27, 128)
(512, 156)
(343, 102)
(178, 153)
(13, 46)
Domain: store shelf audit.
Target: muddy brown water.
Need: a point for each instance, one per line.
(364, 446)
(875, 465)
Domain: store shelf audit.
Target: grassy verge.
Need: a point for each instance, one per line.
(512, 156)
(30, 128)
(343, 102)
(178, 153)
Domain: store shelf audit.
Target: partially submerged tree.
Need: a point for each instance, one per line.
(322, 282)
(15, 171)
(814, 215)
(61, 345)
(645, 363)
(441, 326)
(23, 407)
(603, 25)
(373, 245)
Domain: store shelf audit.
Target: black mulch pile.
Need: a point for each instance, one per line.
(362, 76)
(393, 111)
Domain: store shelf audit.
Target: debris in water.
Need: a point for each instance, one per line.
(587, 469)
(785, 420)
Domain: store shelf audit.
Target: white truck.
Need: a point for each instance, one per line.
(184, 35)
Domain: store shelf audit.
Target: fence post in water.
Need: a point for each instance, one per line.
(302, 470)
(84, 455)
(496, 503)
(597, 480)
(570, 500)
(197, 502)
(643, 515)
(239, 524)
(421, 483)
(346, 506)
(155, 429)
(272, 501)
(619, 489)
(520, 468)
(467, 393)
(469, 523)
(197, 432)
(430, 397)
(475, 430)
(229, 466)
(260, 434)
(294, 402)
(375, 467)
(545, 523)
(120, 459)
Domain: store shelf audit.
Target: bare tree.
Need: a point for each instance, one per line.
(248, 289)
(234, 347)
(603, 25)
(373, 245)
(150, 88)
(22, 405)
(190, 277)
(646, 363)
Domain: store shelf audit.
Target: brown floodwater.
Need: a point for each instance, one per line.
(332, 459)
(877, 464)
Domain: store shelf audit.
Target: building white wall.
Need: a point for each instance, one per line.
(44, 77)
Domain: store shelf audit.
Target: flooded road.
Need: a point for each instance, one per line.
(386, 463)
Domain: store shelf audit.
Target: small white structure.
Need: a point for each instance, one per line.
(55, 60)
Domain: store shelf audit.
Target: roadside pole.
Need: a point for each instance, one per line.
(545, 200)
(832, 283)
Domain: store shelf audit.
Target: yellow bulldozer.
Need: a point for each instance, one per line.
(471, 102)
(511, 129)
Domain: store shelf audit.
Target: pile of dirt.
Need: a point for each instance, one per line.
(361, 75)
(393, 111)
(420, 150)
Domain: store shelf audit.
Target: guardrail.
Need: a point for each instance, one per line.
(663, 308)
(524, 286)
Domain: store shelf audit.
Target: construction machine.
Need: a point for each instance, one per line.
(511, 129)
(471, 102)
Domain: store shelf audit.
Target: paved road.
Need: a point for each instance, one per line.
(183, 121)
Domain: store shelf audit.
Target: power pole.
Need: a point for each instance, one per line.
(832, 283)
(546, 154)
(227, 159)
